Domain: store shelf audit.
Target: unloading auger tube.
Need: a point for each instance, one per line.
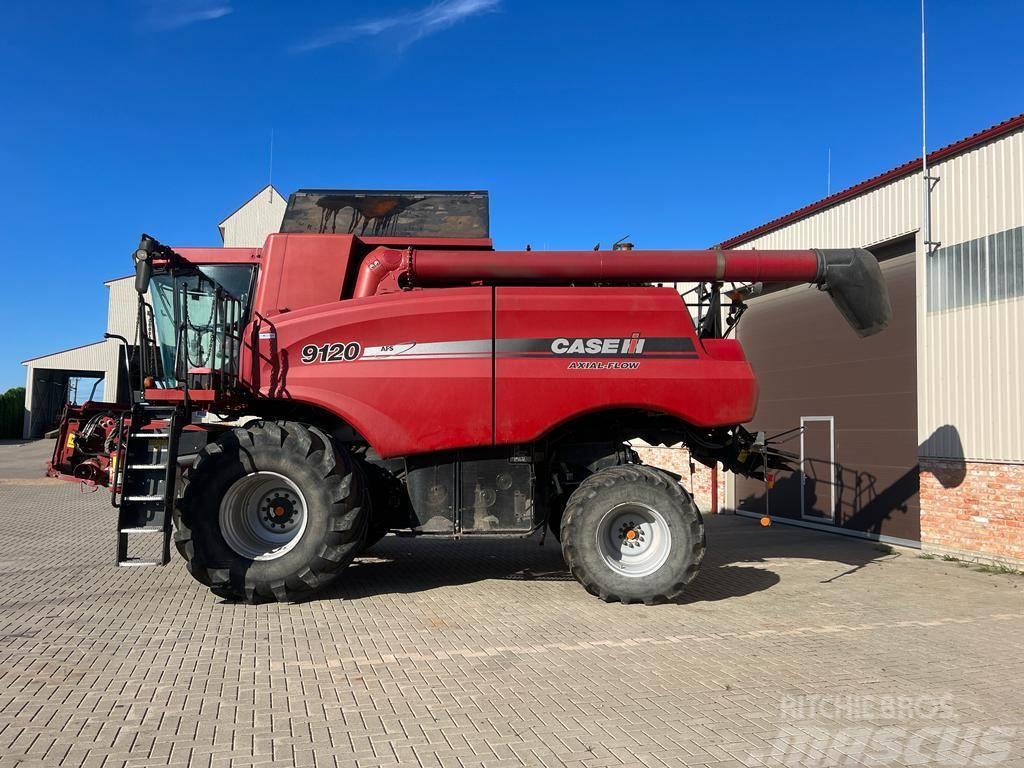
(850, 275)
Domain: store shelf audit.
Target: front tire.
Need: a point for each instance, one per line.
(270, 511)
(632, 534)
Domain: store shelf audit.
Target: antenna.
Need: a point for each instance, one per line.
(828, 179)
(926, 179)
(270, 177)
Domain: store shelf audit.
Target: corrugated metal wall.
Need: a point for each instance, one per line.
(971, 361)
(98, 356)
(122, 307)
(970, 364)
(102, 357)
(249, 226)
(882, 214)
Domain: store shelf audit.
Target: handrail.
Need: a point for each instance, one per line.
(119, 462)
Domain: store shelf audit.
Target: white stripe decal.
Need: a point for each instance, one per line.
(430, 350)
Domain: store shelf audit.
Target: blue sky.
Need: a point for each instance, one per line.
(676, 123)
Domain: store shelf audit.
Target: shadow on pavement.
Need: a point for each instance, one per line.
(736, 547)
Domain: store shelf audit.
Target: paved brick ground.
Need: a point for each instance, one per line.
(24, 460)
(793, 648)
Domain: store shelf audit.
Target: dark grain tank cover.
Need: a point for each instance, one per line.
(383, 213)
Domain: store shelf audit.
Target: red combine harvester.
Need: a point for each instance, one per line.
(378, 367)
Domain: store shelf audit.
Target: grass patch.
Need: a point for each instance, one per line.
(1006, 570)
(999, 568)
(885, 549)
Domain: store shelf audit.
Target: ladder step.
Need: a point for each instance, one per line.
(148, 458)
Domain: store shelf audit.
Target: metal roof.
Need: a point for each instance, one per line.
(98, 346)
(908, 168)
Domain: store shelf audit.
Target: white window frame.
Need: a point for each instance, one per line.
(832, 465)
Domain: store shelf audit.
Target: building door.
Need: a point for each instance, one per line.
(817, 468)
(810, 363)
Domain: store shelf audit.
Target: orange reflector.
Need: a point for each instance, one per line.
(766, 521)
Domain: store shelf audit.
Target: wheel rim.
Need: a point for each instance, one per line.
(634, 539)
(263, 516)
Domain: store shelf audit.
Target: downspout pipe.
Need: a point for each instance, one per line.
(378, 264)
(855, 282)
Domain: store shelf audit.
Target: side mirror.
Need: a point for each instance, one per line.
(143, 269)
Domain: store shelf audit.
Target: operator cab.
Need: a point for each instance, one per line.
(191, 316)
(205, 302)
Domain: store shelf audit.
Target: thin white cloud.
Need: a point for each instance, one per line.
(409, 26)
(174, 14)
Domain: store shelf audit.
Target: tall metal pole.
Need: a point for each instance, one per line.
(926, 208)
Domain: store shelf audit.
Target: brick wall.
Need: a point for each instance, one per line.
(678, 460)
(973, 510)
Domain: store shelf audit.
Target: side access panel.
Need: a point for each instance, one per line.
(565, 352)
(410, 371)
(476, 491)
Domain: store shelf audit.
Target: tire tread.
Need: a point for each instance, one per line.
(346, 525)
(583, 497)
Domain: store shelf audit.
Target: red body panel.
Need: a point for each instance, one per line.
(421, 395)
(427, 361)
(534, 393)
(196, 396)
(302, 271)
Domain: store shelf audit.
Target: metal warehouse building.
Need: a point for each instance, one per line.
(48, 377)
(916, 434)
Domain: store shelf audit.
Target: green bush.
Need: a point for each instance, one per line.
(12, 412)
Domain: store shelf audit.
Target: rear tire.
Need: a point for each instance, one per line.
(270, 512)
(632, 534)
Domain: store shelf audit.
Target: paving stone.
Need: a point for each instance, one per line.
(487, 653)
